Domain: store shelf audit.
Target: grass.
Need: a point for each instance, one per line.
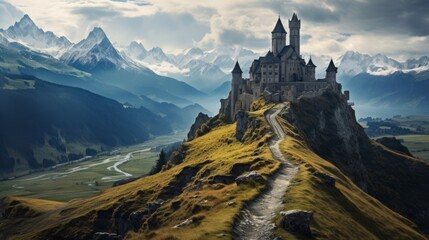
(340, 212)
(88, 182)
(211, 155)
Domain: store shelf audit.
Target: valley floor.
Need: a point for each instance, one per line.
(89, 178)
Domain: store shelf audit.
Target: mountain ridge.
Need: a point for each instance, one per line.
(28, 33)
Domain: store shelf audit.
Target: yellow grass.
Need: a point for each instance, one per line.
(215, 153)
(340, 212)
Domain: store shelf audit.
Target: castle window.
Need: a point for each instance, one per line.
(270, 73)
(269, 66)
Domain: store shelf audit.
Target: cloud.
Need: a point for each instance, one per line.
(328, 27)
(96, 13)
(8, 14)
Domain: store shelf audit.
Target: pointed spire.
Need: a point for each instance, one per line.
(310, 63)
(279, 27)
(237, 68)
(294, 17)
(331, 67)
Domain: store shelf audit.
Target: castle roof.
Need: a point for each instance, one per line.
(284, 50)
(237, 68)
(331, 67)
(255, 66)
(294, 17)
(310, 63)
(270, 58)
(279, 27)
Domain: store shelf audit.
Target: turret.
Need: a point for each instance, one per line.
(237, 73)
(311, 70)
(278, 37)
(331, 72)
(235, 85)
(294, 28)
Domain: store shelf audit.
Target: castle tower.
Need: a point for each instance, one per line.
(294, 27)
(278, 37)
(331, 72)
(235, 85)
(311, 70)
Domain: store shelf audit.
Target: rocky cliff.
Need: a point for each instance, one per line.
(328, 126)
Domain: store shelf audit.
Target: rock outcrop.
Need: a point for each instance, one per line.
(245, 125)
(329, 127)
(251, 177)
(297, 221)
(394, 144)
(199, 121)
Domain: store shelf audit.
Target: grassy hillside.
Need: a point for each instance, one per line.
(398, 181)
(340, 212)
(43, 123)
(200, 189)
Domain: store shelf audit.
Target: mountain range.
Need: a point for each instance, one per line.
(96, 66)
(383, 87)
(42, 124)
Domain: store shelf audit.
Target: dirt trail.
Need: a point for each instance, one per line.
(256, 219)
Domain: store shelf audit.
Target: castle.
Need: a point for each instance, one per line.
(281, 75)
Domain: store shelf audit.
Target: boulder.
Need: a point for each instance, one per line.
(250, 177)
(327, 179)
(106, 236)
(297, 221)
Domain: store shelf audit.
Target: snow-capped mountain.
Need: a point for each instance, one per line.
(205, 70)
(352, 63)
(96, 52)
(27, 33)
(136, 50)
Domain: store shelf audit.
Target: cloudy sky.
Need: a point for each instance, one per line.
(397, 28)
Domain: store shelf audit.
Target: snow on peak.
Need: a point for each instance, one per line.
(136, 50)
(25, 22)
(353, 63)
(97, 52)
(195, 51)
(97, 34)
(27, 33)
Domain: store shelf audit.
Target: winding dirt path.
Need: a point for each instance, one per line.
(256, 219)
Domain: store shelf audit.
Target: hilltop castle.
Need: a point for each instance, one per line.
(281, 75)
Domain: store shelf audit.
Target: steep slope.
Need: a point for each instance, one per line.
(42, 123)
(96, 53)
(26, 32)
(195, 195)
(341, 210)
(329, 128)
(197, 185)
